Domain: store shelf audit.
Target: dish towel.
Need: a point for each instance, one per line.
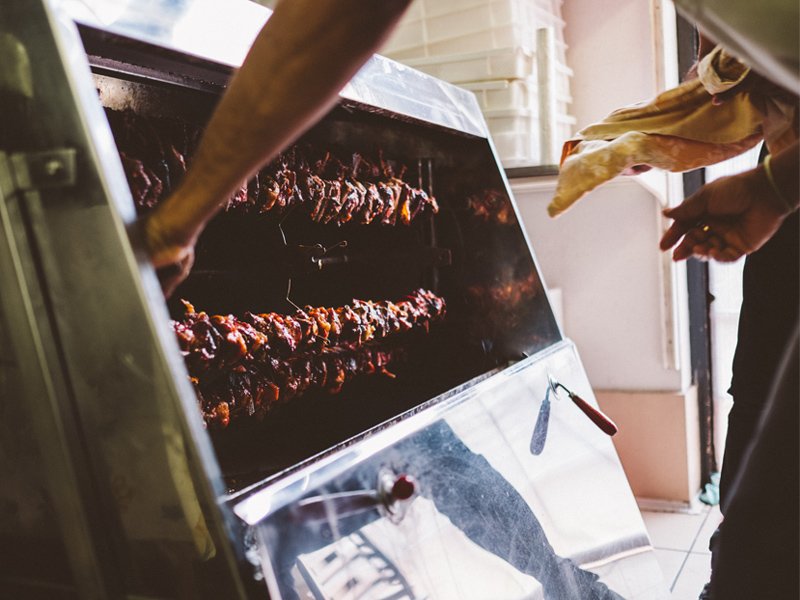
(681, 129)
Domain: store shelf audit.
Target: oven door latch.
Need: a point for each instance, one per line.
(30, 171)
(390, 499)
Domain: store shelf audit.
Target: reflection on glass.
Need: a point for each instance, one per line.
(469, 515)
(192, 26)
(353, 567)
(137, 15)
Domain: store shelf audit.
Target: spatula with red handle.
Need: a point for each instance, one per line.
(603, 422)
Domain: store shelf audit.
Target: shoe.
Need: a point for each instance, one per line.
(705, 594)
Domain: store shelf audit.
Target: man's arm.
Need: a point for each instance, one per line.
(306, 52)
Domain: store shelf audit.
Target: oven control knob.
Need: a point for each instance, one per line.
(403, 488)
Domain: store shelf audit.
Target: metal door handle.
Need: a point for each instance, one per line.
(392, 494)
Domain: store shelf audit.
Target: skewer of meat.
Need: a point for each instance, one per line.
(250, 391)
(220, 342)
(155, 154)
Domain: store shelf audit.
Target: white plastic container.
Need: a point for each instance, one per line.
(565, 128)
(490, 38)
(503, 63)
(521, 95)
(511, 54)
(438, 36)
(516, 135)
(522, 139)
(439, 27)
(416, 11)
(436, 8)
(505, 94)
(476, 20)
(409, 39)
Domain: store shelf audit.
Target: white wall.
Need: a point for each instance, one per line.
(603, 256)
(624, 301)
(611, 51)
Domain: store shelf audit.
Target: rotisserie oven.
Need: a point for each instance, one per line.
(359, 392)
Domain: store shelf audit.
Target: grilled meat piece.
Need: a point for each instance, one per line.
(138, 180)
(332, 202)
(240, 198)
(491, 206)
(352, 200)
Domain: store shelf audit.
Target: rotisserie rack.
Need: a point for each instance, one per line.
(356, 265)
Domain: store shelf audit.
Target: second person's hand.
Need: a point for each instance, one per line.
(725, 219)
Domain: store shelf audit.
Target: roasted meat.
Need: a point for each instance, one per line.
(241, 366)
(491, 206)
(251, 390)
(330, 191)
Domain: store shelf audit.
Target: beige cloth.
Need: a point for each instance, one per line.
(678, 131)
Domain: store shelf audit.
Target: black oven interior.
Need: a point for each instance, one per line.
(472, 253)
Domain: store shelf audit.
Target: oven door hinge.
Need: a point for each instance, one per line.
(29, 171)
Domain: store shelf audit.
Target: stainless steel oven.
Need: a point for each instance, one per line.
(465, 459)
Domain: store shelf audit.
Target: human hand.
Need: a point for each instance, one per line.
(171, 256)
(725, 219)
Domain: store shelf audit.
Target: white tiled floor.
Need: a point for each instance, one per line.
(681, 543)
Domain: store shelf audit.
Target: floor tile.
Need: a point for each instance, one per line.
(670, 562)
(638, 576)
(673, 531)
(709, 527)
(693, 576)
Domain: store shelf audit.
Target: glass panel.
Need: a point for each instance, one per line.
(495, 515)
(473, 253)
(199, 28)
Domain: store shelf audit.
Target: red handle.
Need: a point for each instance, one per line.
(605, 424)
(403, 488)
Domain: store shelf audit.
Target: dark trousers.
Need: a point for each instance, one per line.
(770, 306)
(756, 553)
(758, 489)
